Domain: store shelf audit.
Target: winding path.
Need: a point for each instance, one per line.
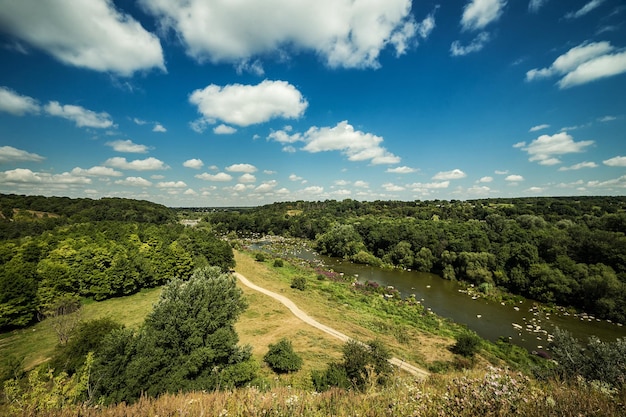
(418, 372)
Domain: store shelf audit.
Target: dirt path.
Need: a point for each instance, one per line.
(311, 321)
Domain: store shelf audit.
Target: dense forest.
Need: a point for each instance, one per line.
(53, 251)
(569, 251)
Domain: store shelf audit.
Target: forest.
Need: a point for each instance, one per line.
(568, 251)
(56, 251)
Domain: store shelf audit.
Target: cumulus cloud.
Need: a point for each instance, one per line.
(87, 34)
(172, 184)
(514, 178)
(486, 179)
(97, 171)
(479, 13)
(546, 147)
(455, 174)
(593, 4)
(244, 105)
(134, 182)
(582, 64)
(294, 177)
(127, 146)
(356, 145)
(578, 166)
(401, 170)
(248, 168)
(390, 187)
(158, 127)
(617, 161)
(11, 154)
(16, 104)
(148, 164)
(22, 176)
(538, 127)
(219, 177)
(427, 188)
(478, 43)
(247, 178)
(361, 184)
(266, 187)
(79, 115)
(193, 163)
(224, 130)
(344, 33)
(535, 5)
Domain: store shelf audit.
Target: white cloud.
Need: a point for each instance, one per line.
(193, 163)
(616, 183)
(18, 105)
(582, 64)
(283, 136)
(248, 168)
(479, 190)
(535, 5)
(361, 184)
(294, 177)
(87, 34)
(266, 187)
(158, 127)
(617, 161)
(535, 189)
(578, 166)
(545, 147)
(269, 172)
(539, 127)
(486, 179)
(455, 174)
(148, 164)
(22, 176)
(478, 43)
(593, 4)
(157, 177)
(11, 154)
(498, 172)
(172, 184)
(139, 121)
(247, 178)
(356, 145)
(314, 189)
(426, 188)
(219, 177)
(479, 13)
(607, 118)
(514, 178)
(244, 105)
(79, 115)
(224, 130)
(134, 182)
(401, 170)
(127, 146)
(393, 187)
(344, 33)
(97, 171)
(190, 191)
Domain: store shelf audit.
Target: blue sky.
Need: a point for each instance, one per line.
(212, 103)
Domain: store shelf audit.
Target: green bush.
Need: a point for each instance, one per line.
(299, 283)
(281, 357)
(260, 257)
(278, 263)
(466, 345)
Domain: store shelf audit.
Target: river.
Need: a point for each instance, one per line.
(524, 323)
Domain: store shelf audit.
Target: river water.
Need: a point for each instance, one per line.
(524, 323)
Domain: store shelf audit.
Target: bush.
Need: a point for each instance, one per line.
(466, 345)
(281, 357)
(278, 263)
(299, 283)
(260, 257)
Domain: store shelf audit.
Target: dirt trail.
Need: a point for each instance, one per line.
(311, 321)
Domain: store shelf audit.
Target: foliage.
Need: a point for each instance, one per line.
(467, 344)
(278, 263)
(260, 257)
(281, 357)
(596, 361)
(299, 283)
(361, 364)
(187, 342)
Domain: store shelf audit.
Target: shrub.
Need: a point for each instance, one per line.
(260, 257)
(281, 357)
(278, 263)
(466, 345)
(299, 283)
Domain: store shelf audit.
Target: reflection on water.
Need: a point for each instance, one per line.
(523, 322)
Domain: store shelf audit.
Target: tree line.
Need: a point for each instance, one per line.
(566, 251)
(82, 256)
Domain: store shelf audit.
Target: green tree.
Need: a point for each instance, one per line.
(281, 357)
(342, 241)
